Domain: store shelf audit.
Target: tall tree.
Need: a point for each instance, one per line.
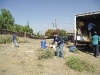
(27, 23)
(7, 20)
(28, 29)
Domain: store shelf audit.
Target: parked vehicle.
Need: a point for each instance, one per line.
(68, 38)
(83, 29)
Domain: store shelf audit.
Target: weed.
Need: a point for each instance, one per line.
(76, 50)
(8, 38)
(23, 41)
(2, 40)
(78, 64)
(4, 70)
(45, 53)
(68, 43)
(5, 39)
(39, 65)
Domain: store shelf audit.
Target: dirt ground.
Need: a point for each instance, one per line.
(23, 61)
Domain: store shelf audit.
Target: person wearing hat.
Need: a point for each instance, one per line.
(60, 44)
(95, 39)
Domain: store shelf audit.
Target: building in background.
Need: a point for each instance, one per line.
(70, 32)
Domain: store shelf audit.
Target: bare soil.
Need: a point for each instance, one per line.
(23, 60)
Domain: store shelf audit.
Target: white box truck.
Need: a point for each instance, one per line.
(85, 25)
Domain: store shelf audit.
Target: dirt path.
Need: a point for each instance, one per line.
(23, 61)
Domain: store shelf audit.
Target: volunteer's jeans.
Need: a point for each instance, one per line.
(14, 41)
(60, 48)
(96, 50)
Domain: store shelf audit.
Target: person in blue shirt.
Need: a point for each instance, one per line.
(90, 26)
(60, 44)
(14, 40)
(95, 39)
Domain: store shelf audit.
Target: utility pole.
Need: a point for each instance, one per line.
(55, 24)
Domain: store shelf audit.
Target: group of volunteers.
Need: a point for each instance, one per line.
(60, 44)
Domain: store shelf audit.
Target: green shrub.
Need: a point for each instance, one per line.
(20, 41)
(2, 40)
(79, 65)
(8, 38)
(45, 53)
(68, 43)
(40, 65)
(5, 39)
(23, 41)
(76, 50)
(4, 70)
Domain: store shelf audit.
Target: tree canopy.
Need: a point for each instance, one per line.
(63, 33)
(7, 23)
(50, 31)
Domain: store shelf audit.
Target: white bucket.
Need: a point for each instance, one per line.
(54, 47)
(78, 37)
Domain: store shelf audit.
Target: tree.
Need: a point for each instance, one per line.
(0, 21)
(28, 29)
(57, 31)
(63, 33)
(27, 24)
(49, 32)
(7, 20)
(20, 28)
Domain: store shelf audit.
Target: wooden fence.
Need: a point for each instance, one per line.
(19, 34)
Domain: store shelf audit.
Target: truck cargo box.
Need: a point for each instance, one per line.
(82, 32)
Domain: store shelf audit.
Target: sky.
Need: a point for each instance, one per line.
(41, 14)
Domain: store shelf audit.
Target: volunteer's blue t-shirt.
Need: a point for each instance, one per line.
(95, 39)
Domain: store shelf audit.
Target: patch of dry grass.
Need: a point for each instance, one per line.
(24, 61)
